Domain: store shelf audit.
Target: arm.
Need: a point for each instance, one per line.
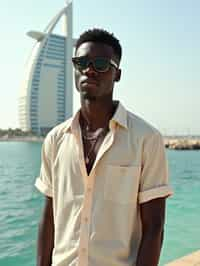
(152, 217)
(46, 235)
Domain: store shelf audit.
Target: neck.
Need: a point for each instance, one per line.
(97, 114)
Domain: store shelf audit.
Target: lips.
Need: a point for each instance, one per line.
(89, 82)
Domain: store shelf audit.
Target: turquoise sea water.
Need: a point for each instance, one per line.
(21, 204)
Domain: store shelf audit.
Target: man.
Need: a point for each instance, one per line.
(103, 173)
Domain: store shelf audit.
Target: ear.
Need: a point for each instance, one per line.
(118, 75)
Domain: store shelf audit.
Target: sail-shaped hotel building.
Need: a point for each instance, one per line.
(46, 96)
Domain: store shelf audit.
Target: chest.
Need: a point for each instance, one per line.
(114, 177)
(116, 148)
(91, 146)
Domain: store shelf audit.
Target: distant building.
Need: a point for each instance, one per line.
(46, 96)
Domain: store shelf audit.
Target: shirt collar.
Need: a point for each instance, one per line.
(73, 123)
(119, 117)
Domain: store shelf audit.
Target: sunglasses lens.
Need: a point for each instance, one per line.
(81, 63)
(101, 64)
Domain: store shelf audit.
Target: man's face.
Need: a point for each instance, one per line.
(91, 84)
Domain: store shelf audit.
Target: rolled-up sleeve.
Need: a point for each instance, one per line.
(154, 181)
(44, 181)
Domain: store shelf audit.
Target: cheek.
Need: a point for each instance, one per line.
(77, 79)
(109, 81)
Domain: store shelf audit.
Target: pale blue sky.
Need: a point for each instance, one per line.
(161, 55)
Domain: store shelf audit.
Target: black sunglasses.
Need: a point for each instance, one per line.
(100, 64)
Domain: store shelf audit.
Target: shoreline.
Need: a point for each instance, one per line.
(193, 259)
(21, 139)
(172, 143)
(182, 143)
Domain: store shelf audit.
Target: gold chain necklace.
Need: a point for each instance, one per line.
(95, 139)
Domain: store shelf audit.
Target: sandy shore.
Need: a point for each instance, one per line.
(192, 259)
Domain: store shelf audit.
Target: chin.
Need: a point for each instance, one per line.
(88, 96)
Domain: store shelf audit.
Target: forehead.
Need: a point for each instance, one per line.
(93, 49)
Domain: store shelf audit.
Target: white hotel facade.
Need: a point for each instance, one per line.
(46, 96)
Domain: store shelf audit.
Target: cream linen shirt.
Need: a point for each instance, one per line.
(97, 217)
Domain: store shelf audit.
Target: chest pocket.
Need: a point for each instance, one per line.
(121, 184)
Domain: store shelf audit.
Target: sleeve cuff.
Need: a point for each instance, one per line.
(159, 192)
(43, 188)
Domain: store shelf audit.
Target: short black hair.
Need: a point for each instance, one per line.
(100, 36)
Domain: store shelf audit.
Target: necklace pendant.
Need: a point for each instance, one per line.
(87, 160)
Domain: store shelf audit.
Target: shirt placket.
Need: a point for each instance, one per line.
(85, 222)
(88, 195)
(86, 206)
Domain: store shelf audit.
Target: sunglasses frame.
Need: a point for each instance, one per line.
(91, 61)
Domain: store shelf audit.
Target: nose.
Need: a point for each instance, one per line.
(90, 70)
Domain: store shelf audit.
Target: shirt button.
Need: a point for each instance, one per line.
(86, 219)
(83, 250)
(89, 189)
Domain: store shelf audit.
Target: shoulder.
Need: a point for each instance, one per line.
(58, 132)
(141, 128)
